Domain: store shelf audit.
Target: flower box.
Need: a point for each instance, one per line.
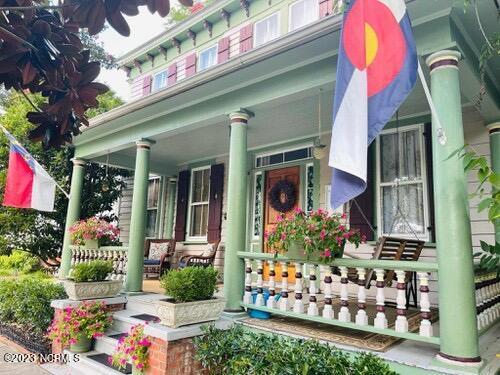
(92, 289)
(181, 314)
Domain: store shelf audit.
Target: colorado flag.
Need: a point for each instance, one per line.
(376, 70)
(28, 185)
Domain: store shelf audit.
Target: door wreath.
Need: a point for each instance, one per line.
(282, 196)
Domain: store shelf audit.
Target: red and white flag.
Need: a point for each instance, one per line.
(28, 185)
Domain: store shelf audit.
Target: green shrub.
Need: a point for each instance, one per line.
(19, 261)
(190, 284)
(96, 270)
(240, 352)
(26, 301)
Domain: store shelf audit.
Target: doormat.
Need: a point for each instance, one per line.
(340, 335)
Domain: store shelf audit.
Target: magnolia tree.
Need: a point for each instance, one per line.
(42, 52)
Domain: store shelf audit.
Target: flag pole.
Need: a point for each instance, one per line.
(55, 182)
(439, 128)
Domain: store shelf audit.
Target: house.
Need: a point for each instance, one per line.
(239, 96)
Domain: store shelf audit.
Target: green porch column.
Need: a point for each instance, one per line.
(494, 130)
(236, 211)
(73, 213)
(457, 304)
(169, 214)
(135, 262)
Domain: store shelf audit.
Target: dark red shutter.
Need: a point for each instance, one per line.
(182, 205)
(223, 50)
(146, 85)
(172, 74)
(215, 203)
(246, 38)
(190, 65)
(325, 8)
(430, 180)
(365, 202)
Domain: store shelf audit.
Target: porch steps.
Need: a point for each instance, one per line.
(86, 365)
(106, 344)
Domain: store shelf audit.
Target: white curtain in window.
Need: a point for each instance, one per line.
(208, 58)
(303, 13)
(266, 30)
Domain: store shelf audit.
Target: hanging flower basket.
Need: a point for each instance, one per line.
(89, 232)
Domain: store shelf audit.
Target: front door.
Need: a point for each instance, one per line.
(290, 174)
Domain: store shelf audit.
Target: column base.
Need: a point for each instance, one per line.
(234, 314)
(464, 365)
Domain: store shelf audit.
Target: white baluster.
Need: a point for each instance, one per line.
(344, 314)
(361, 317)
(380, 320)
(271, 301)
(401, 321)
(259, 300)
(328, 309)
(284, 286)
(312, 310)
(298, 306)
(425, 305)
(247, 296)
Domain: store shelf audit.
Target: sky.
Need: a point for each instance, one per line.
(143, 27)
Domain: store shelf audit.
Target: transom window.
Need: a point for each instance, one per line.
(403, 207)
(152, 208)
(159, 81)
(207, 58)
(266, 29)
(198, 203)
(302, 13)
(285, 156)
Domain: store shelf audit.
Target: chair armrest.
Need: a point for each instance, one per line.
(164, 257)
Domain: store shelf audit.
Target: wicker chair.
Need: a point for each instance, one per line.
(204, 260)
(158, 256)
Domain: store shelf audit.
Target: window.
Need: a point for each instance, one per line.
(266, 29)
(402, 184)
(159, 81)
(283, 156)
(198, 203)
(303, 12)
(207, 58)
(152, 208)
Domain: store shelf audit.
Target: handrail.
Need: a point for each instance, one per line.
(105, 248)
(402, 265)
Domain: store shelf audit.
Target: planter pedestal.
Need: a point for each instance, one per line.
(92, 290)
(180, 314)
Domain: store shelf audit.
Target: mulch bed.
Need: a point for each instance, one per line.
(33, 342)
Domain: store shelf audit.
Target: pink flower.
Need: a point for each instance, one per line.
(283, 236)
(322, 234)
(344, 216)
(298, 210)
(279, 218)
(140, 366)
(328, 253)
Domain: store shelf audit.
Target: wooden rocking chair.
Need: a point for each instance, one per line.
(204, 260)
(392, 248)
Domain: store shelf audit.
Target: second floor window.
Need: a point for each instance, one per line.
(152, 208)
(266, 29)
(207, 58)
(302, 13)
(198, 203)
(159, 81)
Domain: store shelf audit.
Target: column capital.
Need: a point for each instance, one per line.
(445, 58)
(172, 180)
(240, 116)
(493, 128)
(145, 143)
(79, 162)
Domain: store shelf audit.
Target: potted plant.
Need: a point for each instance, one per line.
(88, 281)
(314, 235)
(77, 326)
(132, 348)
(191, 298)
(90, 232)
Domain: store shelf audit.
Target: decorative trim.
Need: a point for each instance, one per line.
(448, 62)
(460, 359)
(443, 58)
(127, 70)
(245, 5)
(208, 26)
(151, 58)
(163, 51)
(79, 162)
(177, 44)
(225, 15)
(137, 64)
(145, 143)
(191, 35)
(241, 116)
(493, 128)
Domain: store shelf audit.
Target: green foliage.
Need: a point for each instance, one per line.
(97, 53)
(26, 301)
(96, 270)
(41, 233)
(179, 13)
(190, 283)
(19, 261)
(240, 352)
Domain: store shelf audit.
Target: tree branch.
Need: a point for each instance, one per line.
(29, 100)
(31, 7)
(18, 38)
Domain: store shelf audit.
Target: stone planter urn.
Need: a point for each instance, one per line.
(181, 314)
(92, 289)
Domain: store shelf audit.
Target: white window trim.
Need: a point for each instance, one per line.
(290, 15)
(190, 238)
(261, 21)
(157, 208)
(216, 45)
(282, 150)
(379, 184)
(155, 89)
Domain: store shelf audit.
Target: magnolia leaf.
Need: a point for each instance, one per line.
(485, 203)
(484, 246)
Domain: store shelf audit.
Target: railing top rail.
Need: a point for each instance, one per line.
(352, 263)
(105, 248)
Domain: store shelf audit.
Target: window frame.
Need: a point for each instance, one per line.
(277, 14)
(216, 46)
(290, 29)
(153, 87)
(423, 180)
(189, 237)
(157, 208)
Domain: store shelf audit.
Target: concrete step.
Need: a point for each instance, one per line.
(86, 365)
(107, 344)
(124, 320)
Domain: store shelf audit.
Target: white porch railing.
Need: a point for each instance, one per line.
(487, 300)
(115, 254)
(297, 308)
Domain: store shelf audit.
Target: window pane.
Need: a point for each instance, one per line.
(199, 220)
(388, 157)
(303, 13)
(409, 219)
(153, 192)
(208, 58)
(159, 81)
(266, 30)
(296, 154)
(201, 185)
(151, 223)
(410, 158)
